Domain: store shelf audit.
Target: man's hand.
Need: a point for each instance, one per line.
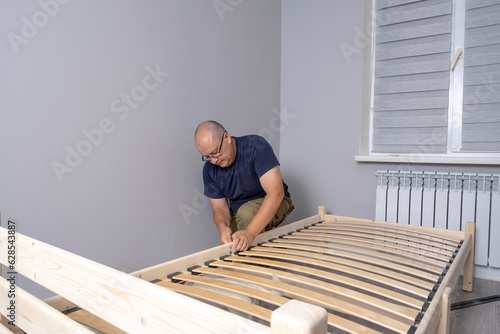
(225, 235)
(242, 240)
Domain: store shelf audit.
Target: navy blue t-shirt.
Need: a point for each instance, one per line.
(240, 182)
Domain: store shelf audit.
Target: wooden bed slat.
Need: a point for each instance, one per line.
(394, 232)
(238, 288)
(313, 298)
(349, 281)
(388, 248)
(390, 238)
(418, 286)
(323, 248)
(429, 234)
(88, 319)
(333, 320)
(234, 303)
(396, 243)
(418, 234)
(419, 266)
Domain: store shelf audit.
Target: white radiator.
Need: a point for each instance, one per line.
(444, 200)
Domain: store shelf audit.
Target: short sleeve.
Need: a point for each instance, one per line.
(264, 158)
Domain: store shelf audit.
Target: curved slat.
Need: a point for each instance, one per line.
(421, 264)
(372, 239)
(313, 298)
(349, 281)
(333, 320)
(377, 261)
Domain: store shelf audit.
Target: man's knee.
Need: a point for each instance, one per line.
(248, 210)
(246, 213)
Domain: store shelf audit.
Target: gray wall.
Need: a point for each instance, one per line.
(133, 196)
(322, 87)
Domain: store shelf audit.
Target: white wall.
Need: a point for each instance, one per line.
(135, 199)
(322, 86)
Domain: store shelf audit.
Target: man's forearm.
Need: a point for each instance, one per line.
(222, 219)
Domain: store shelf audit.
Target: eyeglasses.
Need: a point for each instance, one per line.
(216, 155)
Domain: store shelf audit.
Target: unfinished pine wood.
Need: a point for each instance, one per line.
(34, 316)
(321, 212)
(339, 258)
(333, 320)
(432, 315)
(470, 230)
(388, 237)
(314, 298)
(234, 303)
(391, 234)
(119, 298)
(59, 303)
(280, 230)
(161, 271)
(96, 323)
(356, 244)
(306, 282)
(324, 248)
(233, 287)
(398, 280)
(443, 326)
(394, 231)
(4, 330)
(420, 263)
(349, 281)
(296, 317)
(432, 233)
(122, 300)
(375, 239)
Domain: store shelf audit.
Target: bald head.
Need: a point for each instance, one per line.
(210, 127)
(206, 133)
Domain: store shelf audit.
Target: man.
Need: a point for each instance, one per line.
(242, 180)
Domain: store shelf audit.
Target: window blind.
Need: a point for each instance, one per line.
(411, 77)
(481, 103)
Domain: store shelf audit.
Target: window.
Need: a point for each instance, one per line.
(434, 81)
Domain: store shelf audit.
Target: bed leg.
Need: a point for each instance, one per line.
(468, 279)
(322, 212)
(443, 326)
(297, 317)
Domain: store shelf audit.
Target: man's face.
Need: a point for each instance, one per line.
(218, 152)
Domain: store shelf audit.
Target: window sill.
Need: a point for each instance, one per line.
(427, 160)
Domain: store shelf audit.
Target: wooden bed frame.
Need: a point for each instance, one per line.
(322, 273)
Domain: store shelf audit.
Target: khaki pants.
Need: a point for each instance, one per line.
(246, 212)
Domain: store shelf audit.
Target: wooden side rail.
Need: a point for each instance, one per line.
(127, 302)
(116, 300)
